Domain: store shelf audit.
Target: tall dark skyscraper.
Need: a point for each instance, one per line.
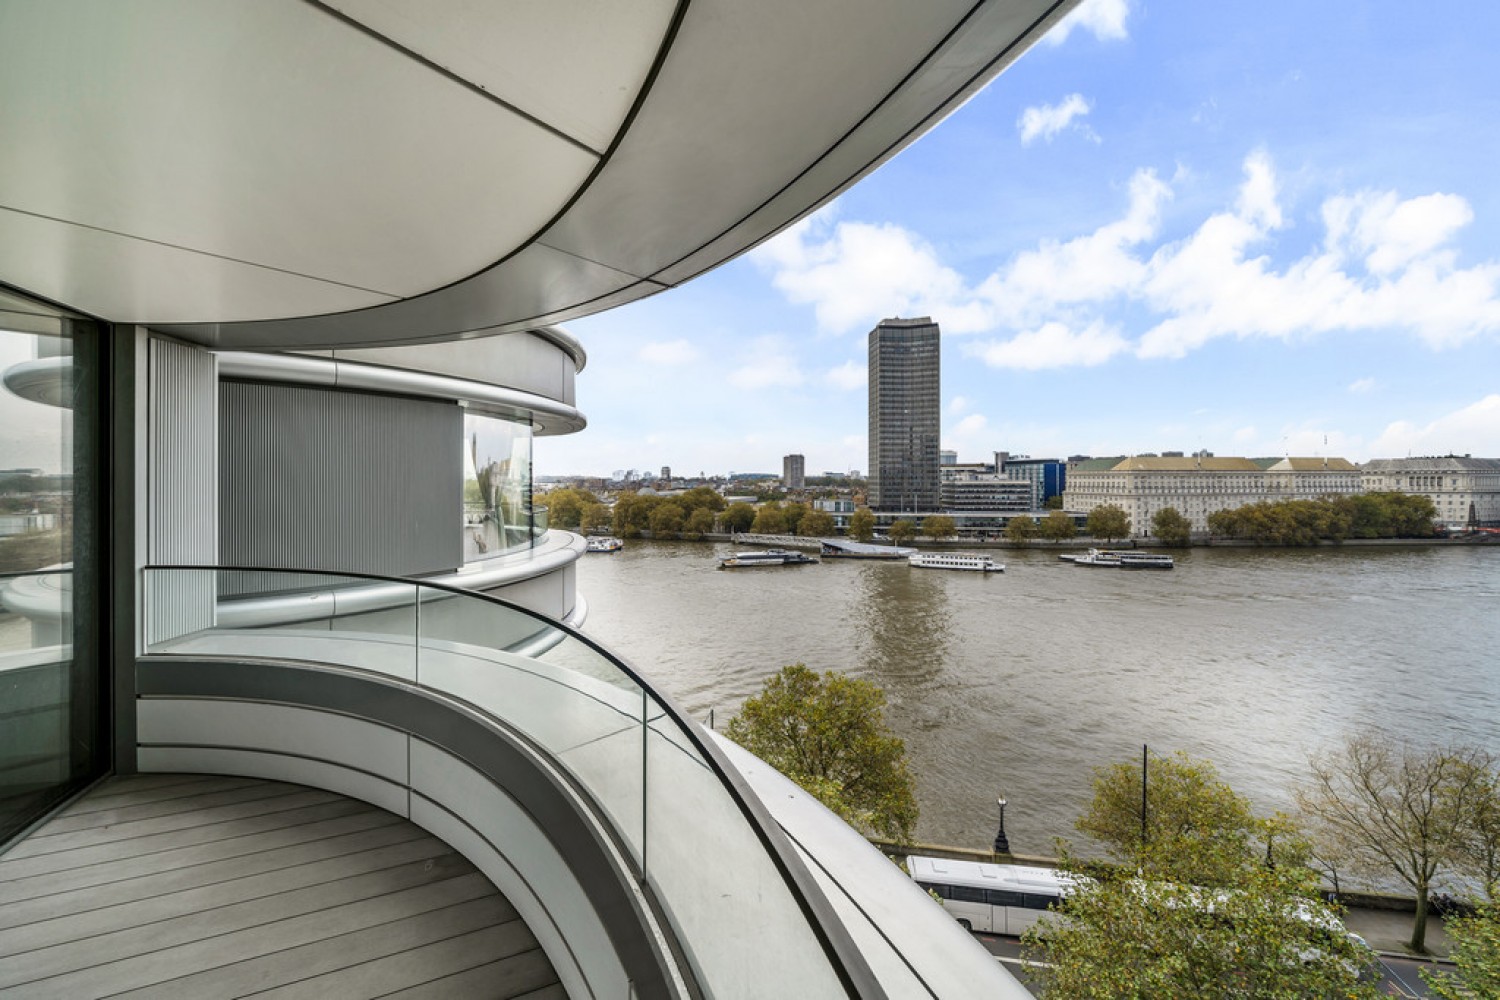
(905, 371)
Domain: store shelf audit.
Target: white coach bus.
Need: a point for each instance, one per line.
(997, 899)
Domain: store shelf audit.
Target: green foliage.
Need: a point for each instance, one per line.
(1478, 855)
(816, 524)
(701, 498)
(1197, 830)
(901, 531)
(594, 516)
(939, 527)
(34, 550)
(1127, 938)
(1054, 502)
(738, 517)
(1058, 527)
(1305, 522)
(1108, 522)
(1021, 529)
(1170, 527)
(667, 519)
(565, 506)
(699, 523)
(828, 734)
(1476, 958)
(1389, 808)
(633, 514)
(794, 513)
(862, 525)
(769, 520)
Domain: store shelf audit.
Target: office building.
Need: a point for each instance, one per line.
(279, 294)
(1465, 491)
(905, 388)
(793, 476)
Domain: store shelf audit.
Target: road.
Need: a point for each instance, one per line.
(1398, 978)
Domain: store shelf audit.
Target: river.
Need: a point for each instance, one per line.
(1020, 684)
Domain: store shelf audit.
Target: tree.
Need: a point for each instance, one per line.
(862, 525)
(939, 527)
(828, 734)
(901, 531)
(1109, 522)
(1127, 937)
(565, 506)
(738, 517)
(794, 513)
(1054, 502)
(699, 523)
(1171, 527)
(701, 498)
(816, 524)
(1479, 841)
(667, 520)
(1197, 829)
(1394, 809)
(633, 514)
(594, 516)
(1021, 529)
(1476, 957)
(769, 520)
(1058, 527)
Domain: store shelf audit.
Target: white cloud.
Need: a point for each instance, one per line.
(1246, 434)
(668, 352)
(970, 425)
(1051, 345)
(1362, 385)
(849, 375)
(1473, 430)
(1105, 19)
(957, 405)
(1046, 120)
(766, 363)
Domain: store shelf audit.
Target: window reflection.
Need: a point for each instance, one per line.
(497, 487)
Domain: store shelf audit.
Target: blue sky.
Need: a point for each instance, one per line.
(1172, 225)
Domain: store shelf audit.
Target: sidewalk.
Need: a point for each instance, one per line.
(1388, 931)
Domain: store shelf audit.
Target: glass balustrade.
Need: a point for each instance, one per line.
(733, 908)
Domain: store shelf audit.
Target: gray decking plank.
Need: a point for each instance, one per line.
(268, 971)
(139, 788)
(554, 991)
(177, 879)
(522, 974)
(168, 905)
(195, 956)
(417, 966)
(18, 887)
(61, 861)
(126, 813)
(46, 841)
(224, 915)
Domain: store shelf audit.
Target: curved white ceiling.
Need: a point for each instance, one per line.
(287, 173)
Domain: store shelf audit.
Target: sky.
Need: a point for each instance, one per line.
(1257, 229)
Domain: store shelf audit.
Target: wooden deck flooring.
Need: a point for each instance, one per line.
(195, 886)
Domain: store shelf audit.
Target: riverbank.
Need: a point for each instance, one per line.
(1080, 543)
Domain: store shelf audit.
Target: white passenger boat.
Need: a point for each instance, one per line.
(955, 560)
(768, 557)
(1121, 559)
(609, 544)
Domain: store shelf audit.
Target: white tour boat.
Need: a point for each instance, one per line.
(955, 560)
(769, 557)
(609, 544)
(1121, 559)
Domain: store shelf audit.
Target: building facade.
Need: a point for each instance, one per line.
(1465, 491)
(905, 413)
(1048, 476)
(793, 472)
(1199, 486)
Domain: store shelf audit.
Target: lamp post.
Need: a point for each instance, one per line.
(1002, 844)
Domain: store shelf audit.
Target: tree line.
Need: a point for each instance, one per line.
(1333, 518)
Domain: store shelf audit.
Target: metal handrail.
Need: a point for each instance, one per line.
(836, 942)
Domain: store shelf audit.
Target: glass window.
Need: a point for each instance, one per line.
(50, 739)
(999, 897)
(1037, 901)
(967, 894)
(498, 516)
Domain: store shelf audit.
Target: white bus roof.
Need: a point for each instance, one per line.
(1018, 878)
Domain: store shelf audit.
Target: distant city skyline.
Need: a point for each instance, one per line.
(1259, 231)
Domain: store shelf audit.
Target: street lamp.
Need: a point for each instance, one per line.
(1002, 845)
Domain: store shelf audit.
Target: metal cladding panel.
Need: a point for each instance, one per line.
(333, 480)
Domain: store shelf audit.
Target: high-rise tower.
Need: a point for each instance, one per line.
(905, 387)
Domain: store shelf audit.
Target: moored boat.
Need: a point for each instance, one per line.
(769, 557)
(1121, 559)
(607, 544)
(955, 560)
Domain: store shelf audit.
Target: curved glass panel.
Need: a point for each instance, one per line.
(497, 486)
(690, 842)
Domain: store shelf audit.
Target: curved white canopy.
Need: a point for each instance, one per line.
(285, 173)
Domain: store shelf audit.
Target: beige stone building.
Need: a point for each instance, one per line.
(1197, 487)
(1465, 491)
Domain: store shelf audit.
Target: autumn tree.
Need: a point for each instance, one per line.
(816, 524)
(1058, 527)
(901, 531)
(1478, 854)
(1170, 527)
(593, 517)
(939, 527)
(699, 523)
(1475, 954)
(667, 520)
(793, 513)
(565, 506)
(1021, 529)
(1109, 522)
(738, 517)
(828, 734)
(1393, 809)
(769, 520)
(862, 525)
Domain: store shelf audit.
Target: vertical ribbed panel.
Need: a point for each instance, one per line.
(182, 455)
(325, 479)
